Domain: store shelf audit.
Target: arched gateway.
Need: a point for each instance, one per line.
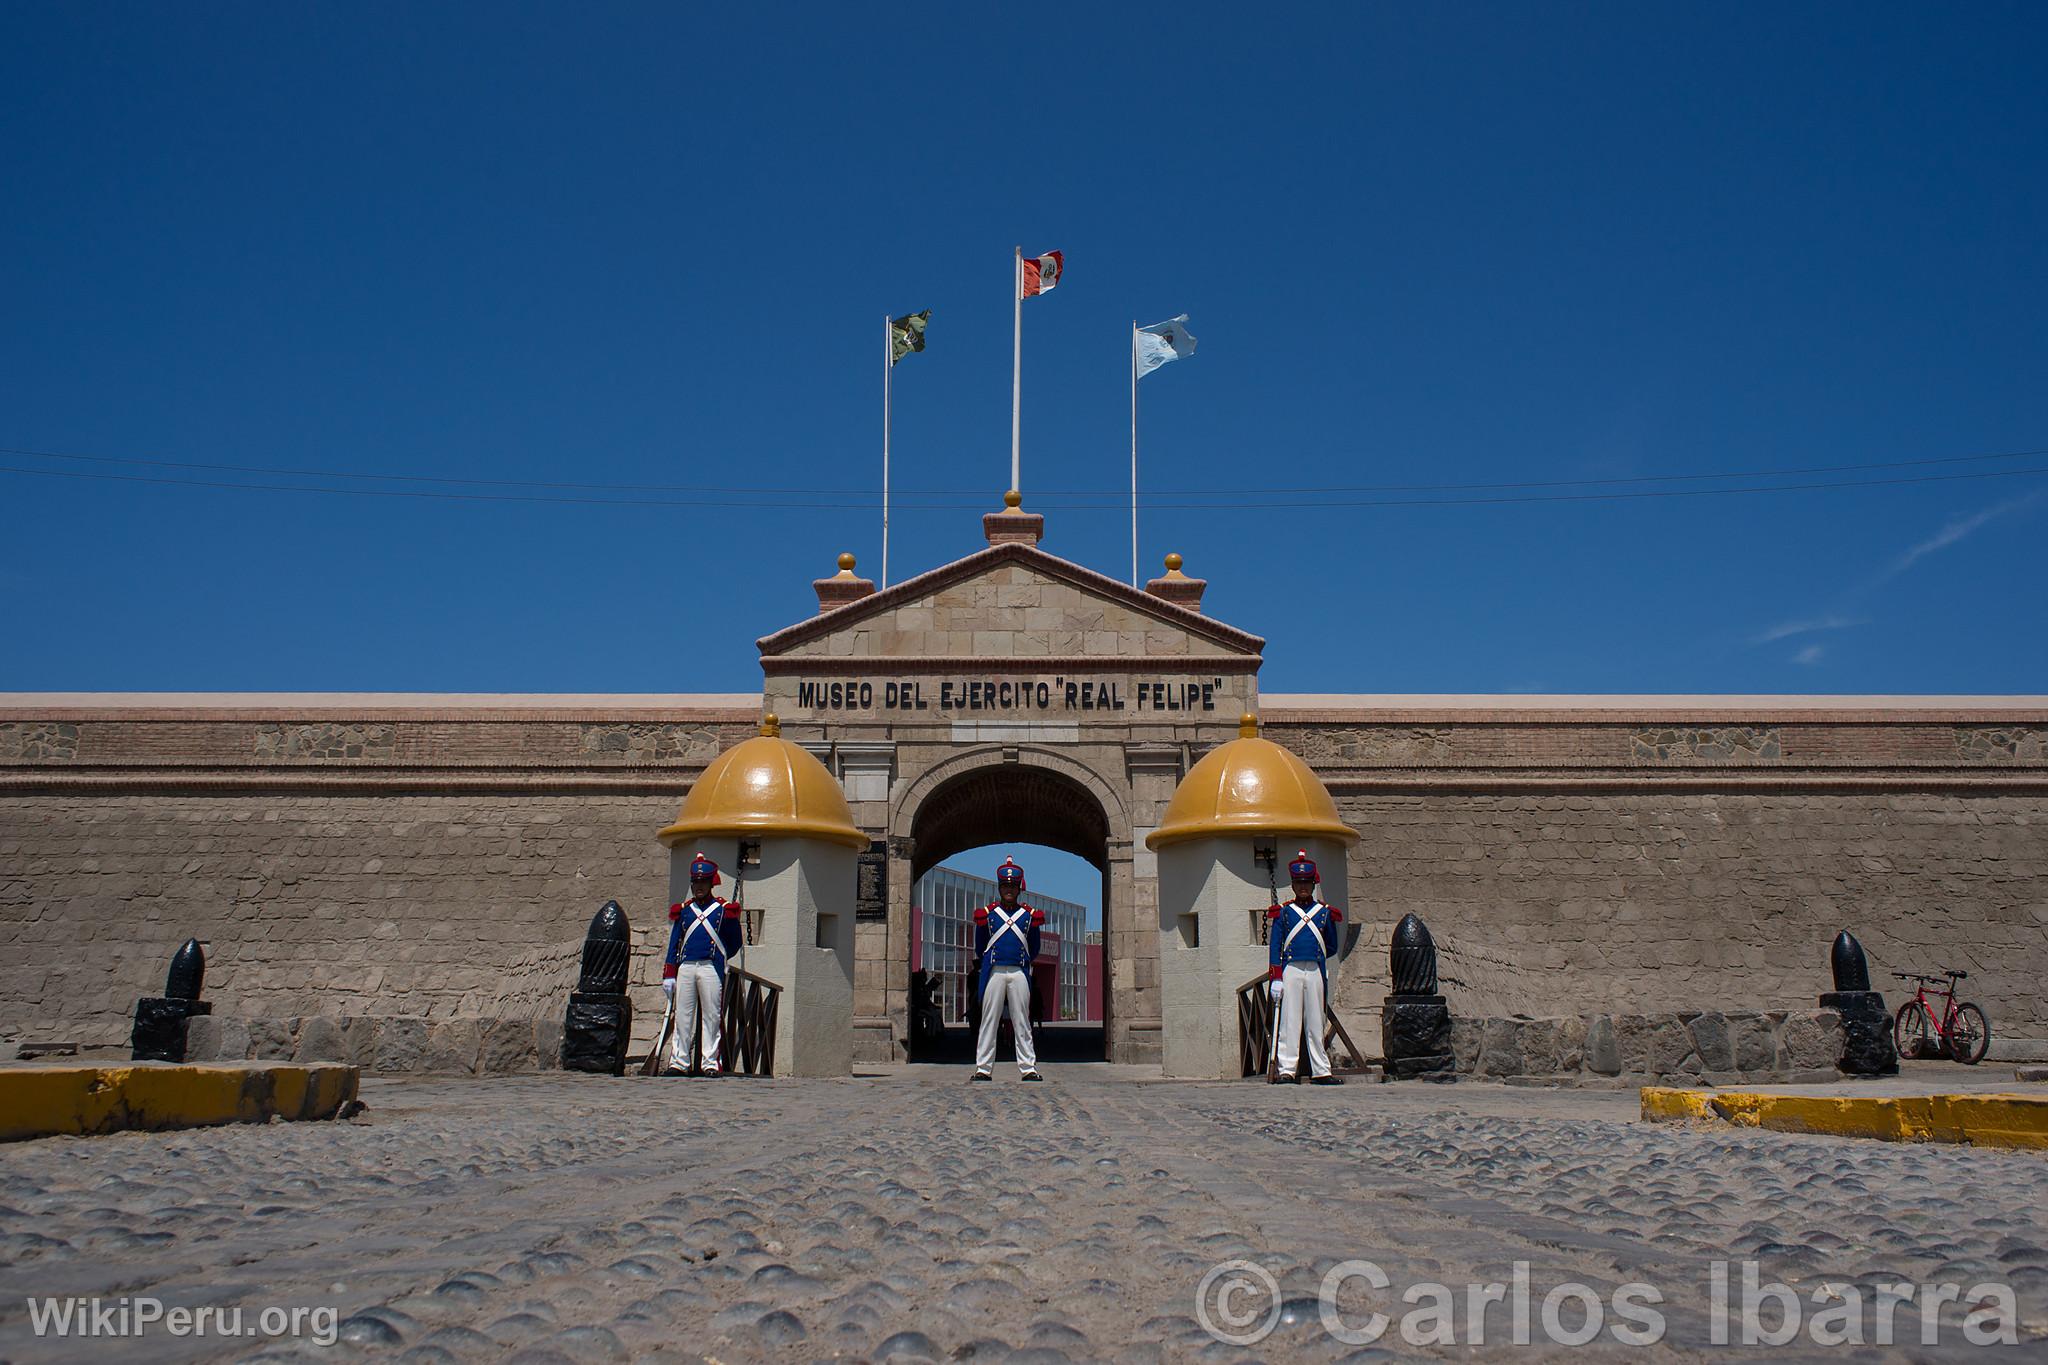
(992, 793)
(1010, 695)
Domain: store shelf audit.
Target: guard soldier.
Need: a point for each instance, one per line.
(1299, 942)
(1006, 937)
(706, 928)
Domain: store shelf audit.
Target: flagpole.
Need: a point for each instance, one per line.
(1134, 452)
(1016, 360)
(888, 368)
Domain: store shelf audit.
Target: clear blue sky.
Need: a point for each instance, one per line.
(653, 245)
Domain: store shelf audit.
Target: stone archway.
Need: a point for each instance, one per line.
(999, 795)
(1008, 803)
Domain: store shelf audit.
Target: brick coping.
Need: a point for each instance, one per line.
(296, 706)
(740, 706)
(1649, 708)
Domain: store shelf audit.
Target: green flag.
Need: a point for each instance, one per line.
(906, 334)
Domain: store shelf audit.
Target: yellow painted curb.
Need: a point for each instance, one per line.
(81, 1100)
(1980, 1120)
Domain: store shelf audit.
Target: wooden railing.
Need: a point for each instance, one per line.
(1258, 1015)
(746, 1037)
(747, 1045)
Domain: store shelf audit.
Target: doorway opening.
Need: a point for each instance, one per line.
(961, 833)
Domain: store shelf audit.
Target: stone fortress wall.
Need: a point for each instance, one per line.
(439, 857)
(1618, 858)
(430, 857)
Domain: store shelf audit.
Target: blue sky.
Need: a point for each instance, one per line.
(652, 247)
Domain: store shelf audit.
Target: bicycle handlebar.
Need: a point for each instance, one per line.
(1921, 976)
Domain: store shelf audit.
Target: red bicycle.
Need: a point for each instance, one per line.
(1961, 1031)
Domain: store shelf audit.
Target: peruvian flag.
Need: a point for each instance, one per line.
(1041, 274)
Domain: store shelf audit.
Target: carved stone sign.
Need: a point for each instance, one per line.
(1051, 692)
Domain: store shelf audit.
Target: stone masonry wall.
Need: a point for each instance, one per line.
(1744, 1047)
(385, 904)
(440, 860)
(1545, 905)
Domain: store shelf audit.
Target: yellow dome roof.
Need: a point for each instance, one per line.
(1249, 786)
(766, 785)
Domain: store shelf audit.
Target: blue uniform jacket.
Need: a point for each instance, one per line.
(1312, 944)
(721, 940)
(1005, 950)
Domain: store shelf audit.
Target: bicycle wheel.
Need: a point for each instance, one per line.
(1913, 1030)
(1969, 1035)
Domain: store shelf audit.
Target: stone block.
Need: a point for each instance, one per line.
(320, 1039)
(359, 1041)
(1653, 1044)
(1468, 1040)
(453, 1046)
(1756, 1043)
(1712, 1041)
(1603, 1050)
(1548, 1047)
(202, 1038)
(1810, 1041)
(870, 1045)
(507, 1046)
(401, 1045)
(547, 1041)
(1570, 1034)
(272, 1040)
(1501, 1052)
(235, 1042)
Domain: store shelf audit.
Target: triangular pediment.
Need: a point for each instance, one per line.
(1010, 602)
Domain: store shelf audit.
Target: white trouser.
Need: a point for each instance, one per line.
(1009, 986)
(698, 1011)
(1301, 1006)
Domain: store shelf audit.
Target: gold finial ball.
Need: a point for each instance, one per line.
(1173, 563)
(1013, 499)
(846, 563)
(771, 725)
(1247, 726)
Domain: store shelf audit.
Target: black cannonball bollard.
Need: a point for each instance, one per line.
(188, 972)
(1851, 968)
(160, 1020)
(1413, 957)
(607, 952)
(1415, 1025)
(1867, 1047)
(599, 1026)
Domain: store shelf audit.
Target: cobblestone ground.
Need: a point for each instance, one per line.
(556, 1217)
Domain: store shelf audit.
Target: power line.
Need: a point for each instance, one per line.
(1241, 504)
(1118, 495)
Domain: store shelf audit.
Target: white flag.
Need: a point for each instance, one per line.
(1163, 341)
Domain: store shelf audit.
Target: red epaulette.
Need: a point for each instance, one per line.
(676, 911)
(981, 915)
(1037, 915)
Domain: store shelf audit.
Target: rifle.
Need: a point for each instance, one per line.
(652, 1066)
